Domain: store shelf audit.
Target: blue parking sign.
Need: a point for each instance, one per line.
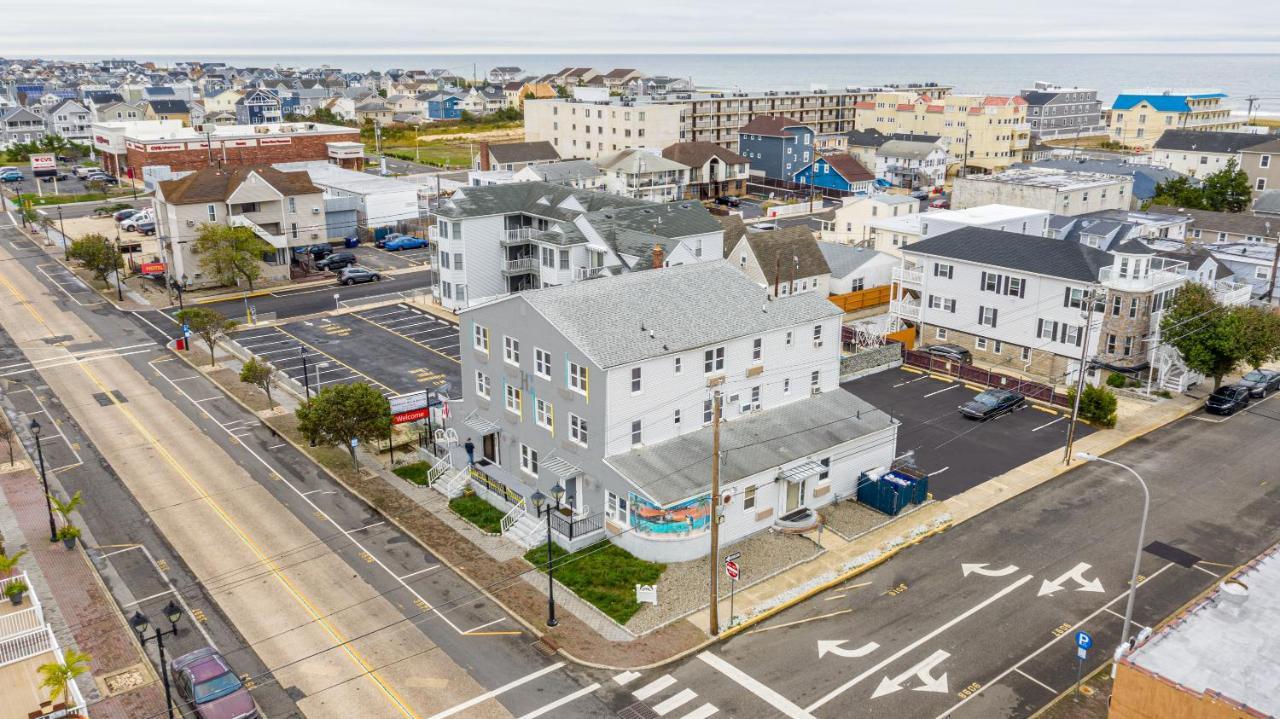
(1083, 640)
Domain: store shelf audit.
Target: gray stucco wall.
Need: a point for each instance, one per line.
(868, 361)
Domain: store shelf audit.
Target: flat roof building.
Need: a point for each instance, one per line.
(1051, 190)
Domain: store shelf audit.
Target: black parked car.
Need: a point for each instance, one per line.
(992, 403)
(356, 275)
(336, 261)
(317, 252)
(955, 353)
(729, 201)
(1261, 382)
(1228, 400)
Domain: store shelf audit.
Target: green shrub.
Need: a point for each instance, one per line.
(1116, 379)
(1097, 405)
(485, 516)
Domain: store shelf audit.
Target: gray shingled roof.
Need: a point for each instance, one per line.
(685, 307)
(526, 197)
(1268, 202)
(1207, 141)
(907, 148)
(1013, 251)
(844, 259)
(512, 152)
(680, 468)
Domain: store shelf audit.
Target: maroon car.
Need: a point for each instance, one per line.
(205, 681)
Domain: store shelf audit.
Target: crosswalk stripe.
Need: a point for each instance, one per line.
(701, 712)
(625, 677)
(675, 702)
(654, 687)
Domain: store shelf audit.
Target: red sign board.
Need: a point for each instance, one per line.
(412, 415)
(731, 568)
(151, 268)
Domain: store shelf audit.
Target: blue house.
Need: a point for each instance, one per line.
(837, 172)
(443, 105)
(258, 107)
(777, 146)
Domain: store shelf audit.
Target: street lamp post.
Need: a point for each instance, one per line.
(182, 284)
(119, 269)
(306, 376)
(62, 230)
(44, 481)
(141, 624)
(540, 499)
(1142, 531)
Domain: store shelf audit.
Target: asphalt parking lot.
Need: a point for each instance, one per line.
(396, 348)
(956, 452)
(381, 260)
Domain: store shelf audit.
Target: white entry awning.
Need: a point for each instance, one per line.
(481, 425)
(561, 467)
(800, 472)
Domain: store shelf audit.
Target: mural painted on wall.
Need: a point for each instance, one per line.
(688, 517)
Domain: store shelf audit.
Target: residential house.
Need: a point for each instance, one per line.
(851, 221)
(570, 76)
(1146, 177)
(259, 106)
(912, 164)
(443, 104)
(1262, 164)
(223, 101)
(1138, 118)
(838, 171)
(777, 146)
(168, 110)
(890, 234)
(20, 124)
(1210, 227)
(517, 92)
(499, 239)
(863, 144)
(1201, 152)
(854, 269)
(71, 120)
(343, 108)
(1056, 191)
(645, 175)
(514, 156)
(220, 118)
(374, 110)
(578, 174)
(785, 261)
(1054, 111)
(504, 74)
(984, 133)
(485, 100)
(285, 209)
(713, 171)
(118, 112)
(620, 77)
(378, 201)
(406, 105)
(609, 390)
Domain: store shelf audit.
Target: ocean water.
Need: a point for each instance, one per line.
(1238, 75)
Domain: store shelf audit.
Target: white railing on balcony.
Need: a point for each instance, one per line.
(1112, 278)
(908, 276)
(26, 645)
(277, 241)
(908, 309)
(524, 264)
(518, 236)
(22, 621)
(588, 273)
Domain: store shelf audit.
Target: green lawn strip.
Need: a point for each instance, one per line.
(52, 199)
(603, 574)
(485, 516)
(416, 472)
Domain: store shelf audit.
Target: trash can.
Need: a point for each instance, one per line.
(351, 242)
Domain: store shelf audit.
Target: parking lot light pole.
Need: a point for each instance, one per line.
(141, 624)
(62, 230)
(44, 480)
(1142, 531)
(119, 266)
(306, 376)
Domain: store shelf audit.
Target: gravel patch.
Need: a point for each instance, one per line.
(682, 589)
(850, 519)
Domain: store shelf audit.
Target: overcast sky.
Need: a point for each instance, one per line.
(141, 28)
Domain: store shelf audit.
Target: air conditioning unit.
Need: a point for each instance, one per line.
(814, 392)
(315, 235)
(315, 210)
(191, 223)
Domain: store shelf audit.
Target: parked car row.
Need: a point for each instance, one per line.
(1257, 384)
(396, 241)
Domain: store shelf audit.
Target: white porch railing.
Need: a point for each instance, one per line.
(515, 515)
(907, 276)
(524, 264)
(277, 241)
(588, 273)
(26, 645)
(906, 309)
(517, 236)
(22, 621)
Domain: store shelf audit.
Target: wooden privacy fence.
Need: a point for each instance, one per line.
(862, 299)
(985, 377)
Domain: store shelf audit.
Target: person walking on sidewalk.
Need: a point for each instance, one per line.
(471, 451)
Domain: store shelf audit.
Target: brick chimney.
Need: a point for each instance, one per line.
(658, 256)
(484, 156)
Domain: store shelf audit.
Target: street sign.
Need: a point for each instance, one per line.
(731, 568)
(186, 330)
(1083, 640)
(1082, 652)
(44, 164)
(733, 557)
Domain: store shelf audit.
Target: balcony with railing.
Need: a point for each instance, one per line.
(1162, 272)
(520, 266)
(1230, 293)
(26, 644)
(277, 241)
(589, 273)
(518, 236)
(912, 276)
(907, 309)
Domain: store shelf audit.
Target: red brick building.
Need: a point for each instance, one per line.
(126, 146)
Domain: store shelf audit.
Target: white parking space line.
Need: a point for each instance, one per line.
(1118, 615)
(561, 701)
(625, 678)
(772, 698)
(1047, 424)
(944, 389)
(666, 707)
(1048, 688)
(418, 572)
(264, 344)
(701, 712)
(904, 384)
(939, 471)
(1206, 571)
(654, 687)
(491, 694)
(157, 595)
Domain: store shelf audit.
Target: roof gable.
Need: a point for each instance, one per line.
(1013, 251)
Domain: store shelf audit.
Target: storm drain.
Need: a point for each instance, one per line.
(639, 710)
(543, 648)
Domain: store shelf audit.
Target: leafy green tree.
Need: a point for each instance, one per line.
(54, 143)
(258, 374)
(1179, 192)
(1260, 328)
(230, 254)
(1228, 189)
(209, 324)
(1206, 334)
(345, 412)
(95, 253)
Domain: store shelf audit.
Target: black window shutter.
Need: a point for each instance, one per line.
(983, 286)
(980, 308)
(1022, 288)
(1055, 330)
(1039, 328)
(1079, 337)
(1066, 298)
(994, 314)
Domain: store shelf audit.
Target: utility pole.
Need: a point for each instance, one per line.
(714, 558)
(1275, 264)
(777, 273)
(1091, 298)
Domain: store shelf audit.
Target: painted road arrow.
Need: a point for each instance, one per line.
(921, 671)
(982, 569)
(835, 646)
(1075, 573)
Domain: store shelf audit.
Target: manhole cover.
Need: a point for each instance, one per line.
(123, 681)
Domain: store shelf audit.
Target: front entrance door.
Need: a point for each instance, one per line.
(489, 449)
(795, 496)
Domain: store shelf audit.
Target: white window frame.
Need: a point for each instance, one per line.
(637, 433)
(757, 350)
(514, 400)
(579, 430)
(817, 336)
(483, 385)
(579, 380)
(528, 460)
(940, 333)
(511, 350)
(637, 380)
(749, 498)
(480, 338)
(543, 413)
(713, 360)
(542, 363)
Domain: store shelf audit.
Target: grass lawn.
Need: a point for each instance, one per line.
(485, 516)
(416, 472)
(603, 574)
(442, 154)
(52, 199)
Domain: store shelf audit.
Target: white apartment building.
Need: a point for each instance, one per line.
(893, 233)
(1056, 191)
(607, 390)
(593, 130)
(912, 165)
(500, 239)
(644, 174)
(850, 221)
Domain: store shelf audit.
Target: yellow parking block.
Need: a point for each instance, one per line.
(942, 377)
(1046, 410)
(912, 370)
(975, 387)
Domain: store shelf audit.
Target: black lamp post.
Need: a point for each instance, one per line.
(119, 270)
(44, 480)
(306, 376)
(141, 624)
(540, 499)
(62, 230)
(181, 286)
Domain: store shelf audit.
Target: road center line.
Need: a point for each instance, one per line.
(751, 684)
(912, 646)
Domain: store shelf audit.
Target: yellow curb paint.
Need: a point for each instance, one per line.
(912, 370)
(1046, 410)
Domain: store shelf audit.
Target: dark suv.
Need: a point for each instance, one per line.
(955, 353)
(337, 261)
(317, 252)
(1228, 400)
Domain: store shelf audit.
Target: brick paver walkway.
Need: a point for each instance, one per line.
(80, 610)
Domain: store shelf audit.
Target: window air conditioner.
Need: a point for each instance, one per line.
(315, 210)
(315, 235)
(814, 392)
(191, 223)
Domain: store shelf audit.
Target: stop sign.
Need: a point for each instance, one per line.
(731, 568)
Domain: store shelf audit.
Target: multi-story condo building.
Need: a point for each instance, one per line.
(608, 390)
(984, 133)
(1054, 111)
(1202, 152)
(285, 209)
(499, 239)
(1138, 118)
(1056, 191)
(71, 120)
(662, 119)
(777, 146)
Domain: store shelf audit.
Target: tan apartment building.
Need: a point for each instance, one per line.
(693, 116)
(1138, 118)
(1262, 164)
(986, 133)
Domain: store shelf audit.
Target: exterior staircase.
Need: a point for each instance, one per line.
(453, 481)
(526, 531)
